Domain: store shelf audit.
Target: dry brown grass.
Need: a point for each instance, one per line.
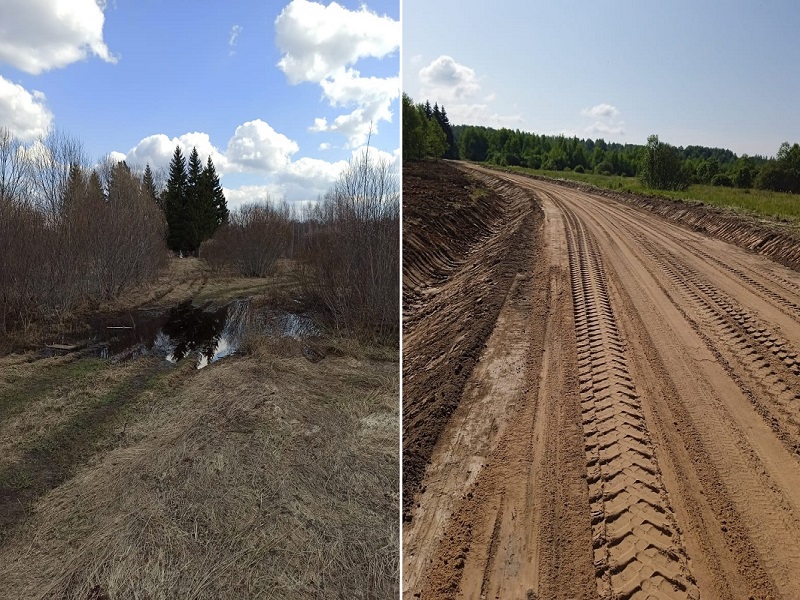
(261, 477)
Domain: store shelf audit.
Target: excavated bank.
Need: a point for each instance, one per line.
(460, 258)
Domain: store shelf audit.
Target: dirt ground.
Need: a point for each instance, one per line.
(264, 475)
(598, 402)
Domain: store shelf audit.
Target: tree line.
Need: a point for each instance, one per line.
(660, 165)
(427, 132)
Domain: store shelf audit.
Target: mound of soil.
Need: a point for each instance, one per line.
(463, 244)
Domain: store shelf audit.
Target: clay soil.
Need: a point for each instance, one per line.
(599, 402)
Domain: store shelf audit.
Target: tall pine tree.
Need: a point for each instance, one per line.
(175, 203)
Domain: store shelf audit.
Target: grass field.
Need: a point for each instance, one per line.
(264, 475)
(760, 203)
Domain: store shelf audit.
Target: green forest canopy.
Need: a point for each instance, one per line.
(657, 163)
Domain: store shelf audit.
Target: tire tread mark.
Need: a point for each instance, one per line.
(637, 548)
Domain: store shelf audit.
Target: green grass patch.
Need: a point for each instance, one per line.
(761, 203)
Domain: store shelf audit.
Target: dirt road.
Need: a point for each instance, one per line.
(630, 427)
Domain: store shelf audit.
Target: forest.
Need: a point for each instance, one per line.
(660, 165)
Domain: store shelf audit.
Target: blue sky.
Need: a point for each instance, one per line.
(281, 94)
(693, 72)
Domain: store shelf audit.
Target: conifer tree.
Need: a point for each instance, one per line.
(149, 184)
(75, 188)
(175, 203)
(212, 185)
(452, 147)
(196, 203)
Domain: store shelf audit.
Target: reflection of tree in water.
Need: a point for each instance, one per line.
(192, 329)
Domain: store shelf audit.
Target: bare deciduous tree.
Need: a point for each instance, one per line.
(354, 248)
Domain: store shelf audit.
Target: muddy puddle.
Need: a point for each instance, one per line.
(204, 333)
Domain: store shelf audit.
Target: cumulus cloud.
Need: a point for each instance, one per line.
(256, 146)
(601, 128)
(23, 113)
(320, 44)
(449, 80)
(600, 110)
(605, 123)
(256, 149)
(373, 97)
(40, 35)
(157, 150)
(458, 88)
(317, 41)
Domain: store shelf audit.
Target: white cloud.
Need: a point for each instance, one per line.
(256, 149)
(457, 87)
(605, 123)
(446, 79)
(39, 35)
(256, 146)
(324, 146)
(234, 36)
(480, 114)
(320, 44)
(372, 96)
(23, 113)
(600, 110)
(116, 157)
(601, 128)
(251, 194)
(317, 41)
(157, 150)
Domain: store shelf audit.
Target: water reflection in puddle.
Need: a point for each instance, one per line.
(186, 330)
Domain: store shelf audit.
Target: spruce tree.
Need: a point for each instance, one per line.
(197, 214)
(452, 147)
(175, 203)
(214, 189)
(75, 188)
(149, 184)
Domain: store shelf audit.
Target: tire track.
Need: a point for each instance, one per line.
(771, 363)
(637, 548)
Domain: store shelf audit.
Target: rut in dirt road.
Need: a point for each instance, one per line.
(635, 540)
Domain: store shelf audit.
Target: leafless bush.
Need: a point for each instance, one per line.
(353, 249)
(14, 169)
(252, 241)
(64, 240)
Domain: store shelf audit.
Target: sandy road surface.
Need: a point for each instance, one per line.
(631, 426)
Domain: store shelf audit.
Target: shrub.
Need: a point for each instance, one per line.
(579, 169)
(721, 180)
(353, 250)
(252, 241)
